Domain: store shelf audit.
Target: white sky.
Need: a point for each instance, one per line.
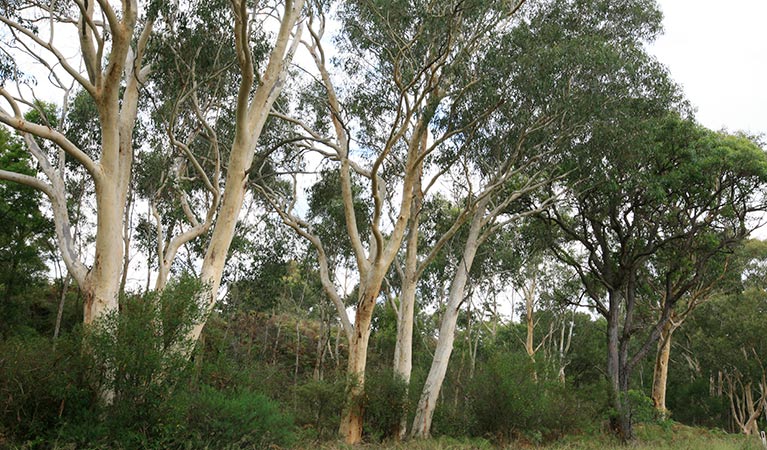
(717, 51)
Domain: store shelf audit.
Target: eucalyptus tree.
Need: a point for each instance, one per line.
(216, 76)
(694, 269)
(667, 185)
(404, 63)
(109, 66)
(725, 338)
(563, 64)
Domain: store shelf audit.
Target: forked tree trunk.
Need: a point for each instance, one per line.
(251, 116)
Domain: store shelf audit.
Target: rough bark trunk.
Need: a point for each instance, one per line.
(351, 422)
(620, 423)
(431, 389)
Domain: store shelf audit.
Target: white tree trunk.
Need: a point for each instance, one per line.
(251, 116)
(403, 349)
(431, 389)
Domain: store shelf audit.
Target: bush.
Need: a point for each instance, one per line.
(319, 405)
(39, 386)
(237, 419)
(386, 400)
(136, 359)
(55, 391)
(508, 403)
(643, 410)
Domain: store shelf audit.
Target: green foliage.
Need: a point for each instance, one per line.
(690, 401)
(507, 402)
(234, 419)
(326, 210)
(319, 405)
(24, 236)
(386, 399)
(39, 385)
(642, 409)
(136, 358)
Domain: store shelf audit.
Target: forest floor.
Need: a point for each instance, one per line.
(648, 437)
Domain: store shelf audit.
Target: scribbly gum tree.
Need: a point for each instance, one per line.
(218, 71)
(404, 63)
(111, 40)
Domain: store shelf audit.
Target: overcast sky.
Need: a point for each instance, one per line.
(717, 51)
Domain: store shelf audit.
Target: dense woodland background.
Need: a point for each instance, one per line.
(253, 224)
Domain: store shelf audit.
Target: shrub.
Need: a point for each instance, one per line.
(136, 359)
(386, 400)
(507, 402)
(318, 404)
(237, 419)
(643, 410)
(38, 385)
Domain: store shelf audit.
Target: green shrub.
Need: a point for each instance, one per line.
(643, 410)
(237, 419)
(386, 400)
(136, 360)
(318, 405)
(508, 402)
(39, 386)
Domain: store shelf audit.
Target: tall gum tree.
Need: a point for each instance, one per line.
(652, 196)
(552, 71)
(111, 37)
(219, 67)
(592, 56)
(690, 270)
(403, 59)
(257, 91)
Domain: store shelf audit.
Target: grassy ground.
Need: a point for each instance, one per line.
(651, 437)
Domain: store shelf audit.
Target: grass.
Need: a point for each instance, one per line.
(649, 437)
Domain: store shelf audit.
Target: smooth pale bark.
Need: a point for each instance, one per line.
(564, 347)
(372, 263)
(431, 389)
(660, 372)
(115, 91)
(403, 348)
(744, 408)
(529, 293)
(251, 115)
